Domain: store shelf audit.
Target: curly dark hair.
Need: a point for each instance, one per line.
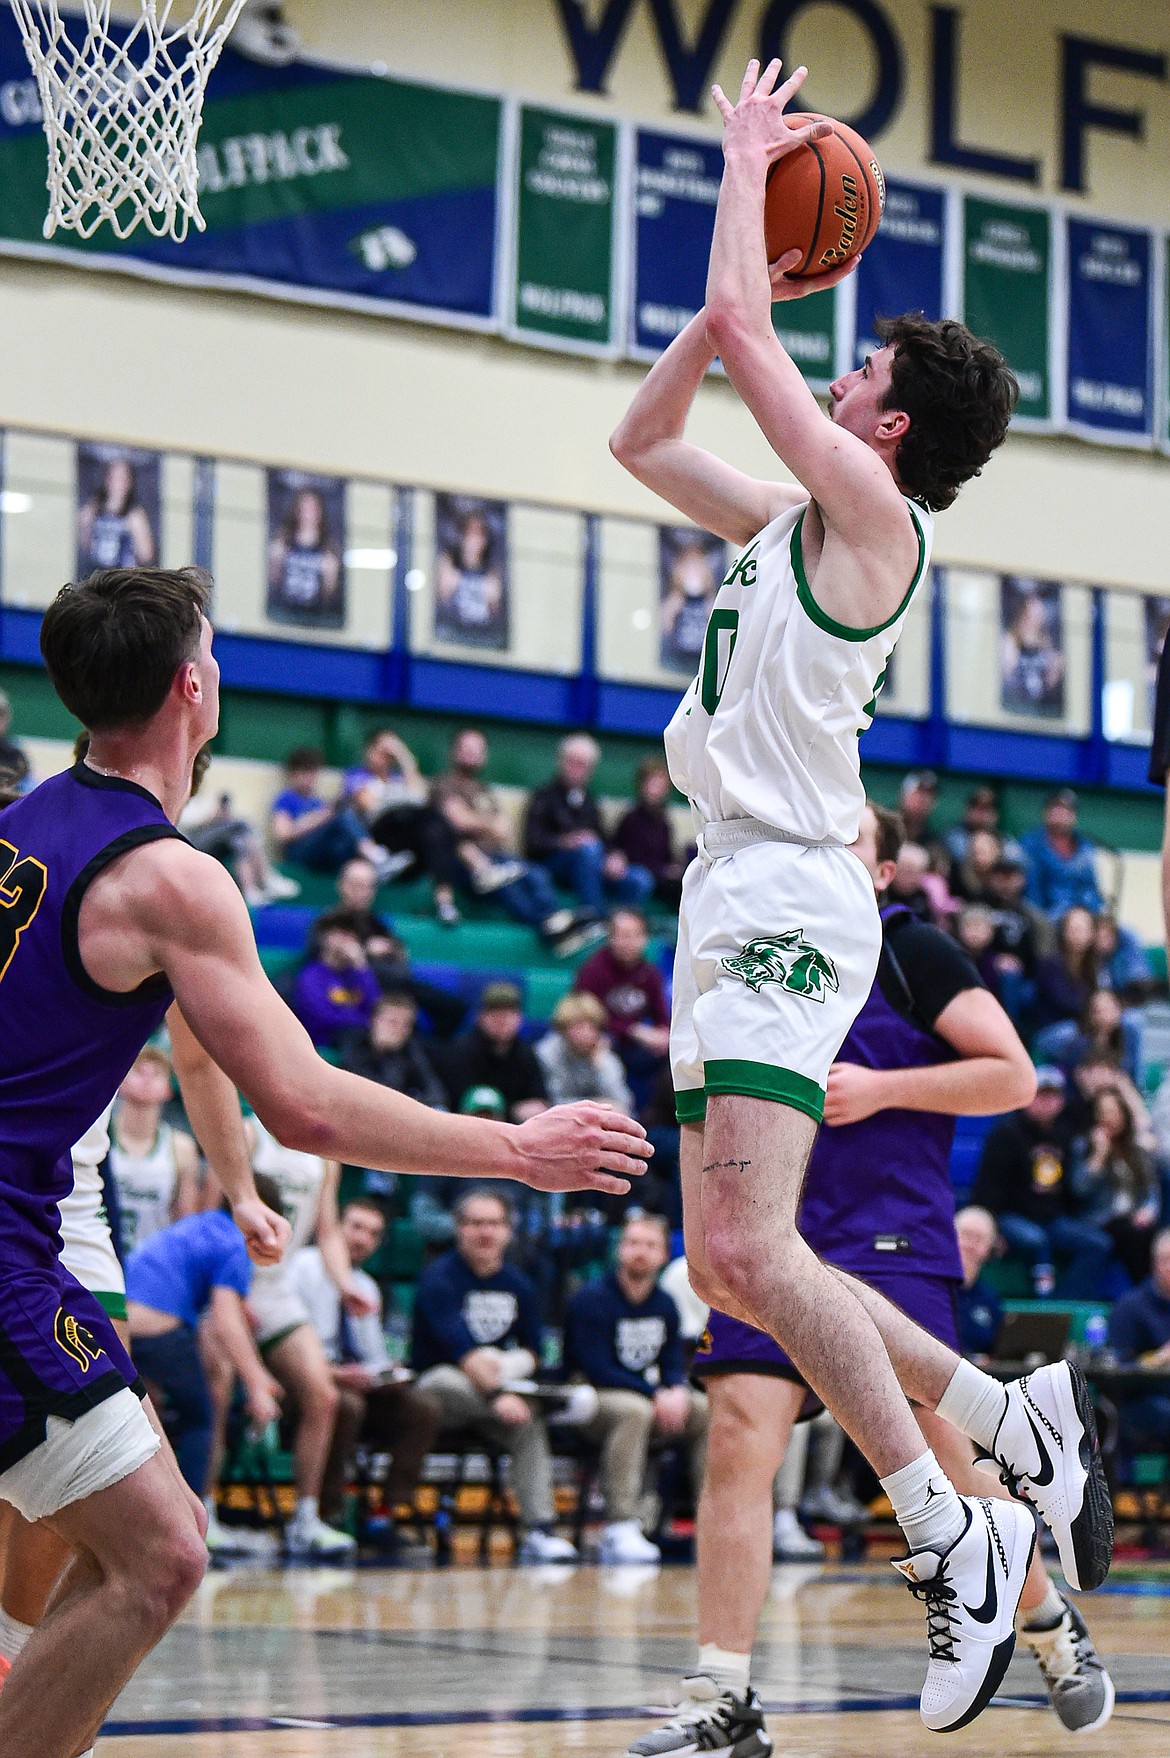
(959, 393)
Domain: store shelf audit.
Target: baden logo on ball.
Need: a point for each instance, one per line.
(825, 199)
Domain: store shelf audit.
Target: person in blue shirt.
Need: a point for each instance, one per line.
(476, 1332)
(317, 833)
(622, 1337)
(1139, 1335)
(198, 1268)
(978, 1308)
(1061, 873)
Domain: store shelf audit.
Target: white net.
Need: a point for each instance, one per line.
(122, 111)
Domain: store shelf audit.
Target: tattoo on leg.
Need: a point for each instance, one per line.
(727, 1166)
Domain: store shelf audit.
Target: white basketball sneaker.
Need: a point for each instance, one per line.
(1046, 1448)
(971, 1592)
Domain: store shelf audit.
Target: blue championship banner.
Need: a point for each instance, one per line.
(315, 182)
(676, 186)
(902, 268)
(1110, 334)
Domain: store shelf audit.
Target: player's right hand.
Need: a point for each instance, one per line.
(263, 1400)
(266, 1234)
(583, 1147)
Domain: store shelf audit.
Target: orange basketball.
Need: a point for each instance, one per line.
(826, 199)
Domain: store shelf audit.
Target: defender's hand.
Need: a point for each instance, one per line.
(783, 288)
(853, 1093)
(757, 124)
(265, 1233)
(582, 1147)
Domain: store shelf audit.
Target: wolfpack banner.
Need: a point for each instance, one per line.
(346, 185)
(1110, 351)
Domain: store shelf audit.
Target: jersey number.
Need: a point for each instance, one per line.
(22, 886)
(717, 651)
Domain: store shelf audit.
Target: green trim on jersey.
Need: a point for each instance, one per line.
(113, 1305)
(760, 1080)
(813, 610)
(690, 1105)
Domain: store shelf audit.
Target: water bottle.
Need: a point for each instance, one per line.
(1095, 1351)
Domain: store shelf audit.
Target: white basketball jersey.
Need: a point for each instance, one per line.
(146, 1186)
(769, 728)
(300, 1177)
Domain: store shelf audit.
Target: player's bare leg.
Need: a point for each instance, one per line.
(298, 1362)
(140, 1557)
(706, 1284)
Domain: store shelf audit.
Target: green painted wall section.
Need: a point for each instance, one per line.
(266, 726)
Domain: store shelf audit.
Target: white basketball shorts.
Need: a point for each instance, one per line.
(87, 1251)
(778, 947)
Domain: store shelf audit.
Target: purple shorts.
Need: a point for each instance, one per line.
(59, 1356)
(729, 1346)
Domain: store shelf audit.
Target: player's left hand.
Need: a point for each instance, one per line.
(757, 123)
(853, 1093)
(266, 1234)
(784, 287)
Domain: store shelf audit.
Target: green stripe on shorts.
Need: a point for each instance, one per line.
(113, 1305)
(759, 1080)
(690, 1105)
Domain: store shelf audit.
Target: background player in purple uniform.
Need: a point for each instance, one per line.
(929, 1044)
(107, 914)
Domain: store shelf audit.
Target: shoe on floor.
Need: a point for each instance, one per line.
(279, 888)
(238, 1541)
(389, 866)
(791, 1543)
(545, 1547)
(1046, 1446)
(708, 1720)
(313, 1538)
(623, 1541)
(832, 1506)
(1079, 1688)
(971, 1592)
(488, 879)
(584, 930)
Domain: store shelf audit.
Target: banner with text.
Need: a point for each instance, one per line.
(676, 186)
(1007, 252)
(563, 293)
(808, 330)
(344, 185)
(1110, 341)
(902, 268)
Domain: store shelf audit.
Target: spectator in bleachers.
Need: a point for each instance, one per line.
(315, 832)
(222, 833)
(493, 1054)
(1067, 976)
(1096, 1070)
(379, 1405)
(917, 802)
(386, 954)
(486, 861)
(645, 835)
(922, 892)
(1116, 1182)
(975, 932)
(391, 797)
(476, 1329)
(1061, 873)
(15, 770)
(622, 1338)
(389, 1052)
(1103, 1025)
(198, 1267)
(335, 989)
(1024, 1181)
(978, 1307)
(980, 813)
(563, 833)
(576, 1057)
(1122, 959)
(970, 878)
(1139, 1335)
(1022, 932)
(154, 1166)
(633, 994)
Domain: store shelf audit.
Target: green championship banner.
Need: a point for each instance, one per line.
(563, 287)
(1007, 256)
(807, 329)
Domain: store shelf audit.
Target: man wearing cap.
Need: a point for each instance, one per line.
(477, 1330)
(493, 1054)
(1061, 873)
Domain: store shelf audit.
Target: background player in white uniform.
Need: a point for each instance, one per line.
(779, 933)
(155, 1165)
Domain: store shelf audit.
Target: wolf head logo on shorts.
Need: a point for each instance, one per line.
(76, 1340)
(789, 960)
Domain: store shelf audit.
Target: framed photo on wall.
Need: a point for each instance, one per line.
(119, 518)
(306, 549)
(472, 598)
(1032, 656)
(691, 565)
(1157, 618)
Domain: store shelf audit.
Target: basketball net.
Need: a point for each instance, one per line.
(122, 117)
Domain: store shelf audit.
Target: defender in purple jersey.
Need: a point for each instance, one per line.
(106, 914)
(877, 1202)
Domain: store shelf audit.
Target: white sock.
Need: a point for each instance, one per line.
(925, 1504)
(1046, 1615)
(212, 1510)
(730, 1671)
(306, 1511)
(973, 1403)
(13, 1636)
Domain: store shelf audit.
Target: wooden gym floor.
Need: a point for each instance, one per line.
(511, 1663)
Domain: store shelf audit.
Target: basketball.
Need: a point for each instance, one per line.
(826, 199)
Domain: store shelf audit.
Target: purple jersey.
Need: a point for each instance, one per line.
(67, 1046)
